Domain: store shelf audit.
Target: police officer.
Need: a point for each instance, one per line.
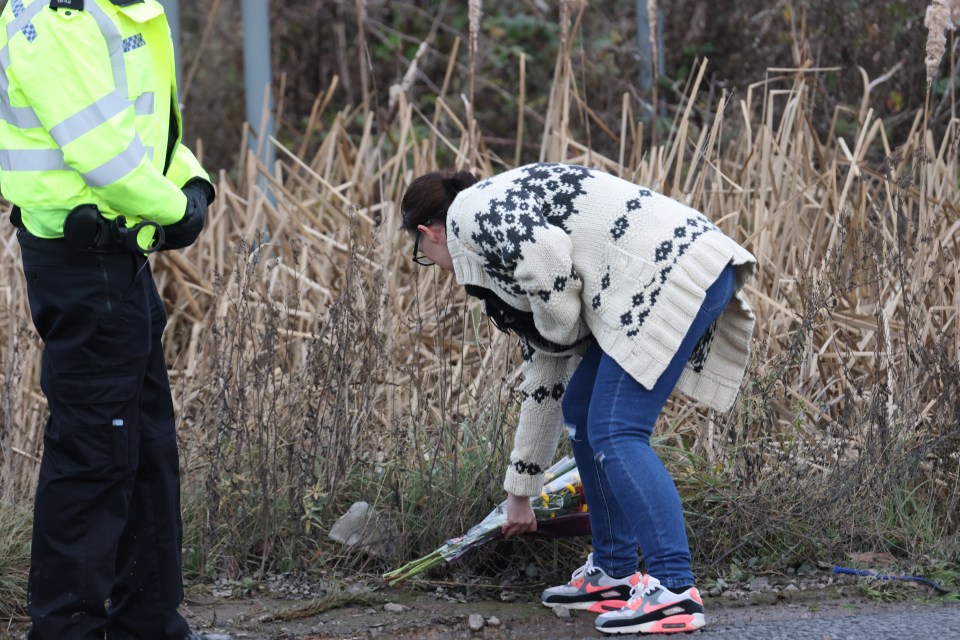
(91, 155)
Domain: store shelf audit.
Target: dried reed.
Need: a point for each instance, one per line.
(939, 19)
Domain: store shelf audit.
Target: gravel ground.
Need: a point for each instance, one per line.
(819, 607)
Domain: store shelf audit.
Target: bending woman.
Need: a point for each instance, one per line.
(618, 295)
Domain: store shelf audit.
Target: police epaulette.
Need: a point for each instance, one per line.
(76, 5)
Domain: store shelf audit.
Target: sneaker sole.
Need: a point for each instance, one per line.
(674, 624)
(601, 606)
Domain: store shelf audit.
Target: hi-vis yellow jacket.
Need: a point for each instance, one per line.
(88, 113)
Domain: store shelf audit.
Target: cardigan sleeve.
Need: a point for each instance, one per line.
(545, 378)
(527, 254)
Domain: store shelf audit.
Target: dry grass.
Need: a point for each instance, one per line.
(14, 560)
(312, 364)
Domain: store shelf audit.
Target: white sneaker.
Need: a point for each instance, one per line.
(653, 608)
(590, 589)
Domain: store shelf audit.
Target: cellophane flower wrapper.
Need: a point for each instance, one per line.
(562, 494)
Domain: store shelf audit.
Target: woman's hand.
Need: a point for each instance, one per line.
(520, 517)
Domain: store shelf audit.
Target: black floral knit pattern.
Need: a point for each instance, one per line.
(544, 194)
(667, 254)
(699, 356)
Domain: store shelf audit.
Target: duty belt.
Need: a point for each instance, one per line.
(85, 229)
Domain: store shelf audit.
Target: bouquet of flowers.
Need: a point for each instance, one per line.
(560, 509)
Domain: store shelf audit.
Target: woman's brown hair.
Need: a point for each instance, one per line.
(429, 196)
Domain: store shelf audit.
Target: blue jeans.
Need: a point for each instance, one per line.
(631, 496)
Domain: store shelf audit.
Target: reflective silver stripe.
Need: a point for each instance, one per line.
(41, 159)
(111, 34)
(21, 20)
(22, 117)
(89, 118)
(117, 167)
(144, 104)
(4, 65)
(32, 160)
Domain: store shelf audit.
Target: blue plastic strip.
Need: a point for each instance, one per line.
(883, 576)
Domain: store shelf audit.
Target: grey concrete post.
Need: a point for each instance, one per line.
(257, 75)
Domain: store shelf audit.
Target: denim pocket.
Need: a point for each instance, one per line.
(721, 291)
(92, 421)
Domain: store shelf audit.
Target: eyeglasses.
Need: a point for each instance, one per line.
(420, 259)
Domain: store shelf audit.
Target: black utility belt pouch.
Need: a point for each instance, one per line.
(85, 229)
(15, 218)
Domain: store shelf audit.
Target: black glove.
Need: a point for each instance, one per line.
(185, 231)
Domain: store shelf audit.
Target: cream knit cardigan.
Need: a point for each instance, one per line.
(590, 254)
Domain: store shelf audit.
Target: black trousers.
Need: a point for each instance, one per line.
(106, 553)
